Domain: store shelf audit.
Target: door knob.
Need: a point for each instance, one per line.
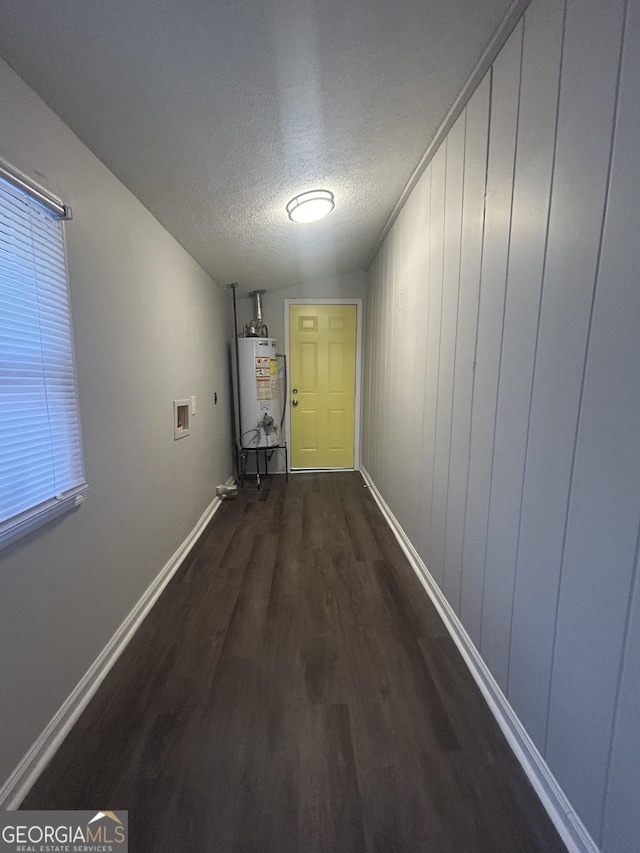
(294, 402)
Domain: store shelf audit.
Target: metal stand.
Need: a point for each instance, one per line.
(242, 454)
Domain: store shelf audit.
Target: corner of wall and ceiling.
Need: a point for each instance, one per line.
(498, 40)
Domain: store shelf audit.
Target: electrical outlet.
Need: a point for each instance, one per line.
(193, 405)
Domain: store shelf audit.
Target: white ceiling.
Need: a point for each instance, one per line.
(216, 112)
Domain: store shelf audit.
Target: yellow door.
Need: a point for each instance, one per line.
(322, 389)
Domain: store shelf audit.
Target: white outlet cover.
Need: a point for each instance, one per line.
(193, 405)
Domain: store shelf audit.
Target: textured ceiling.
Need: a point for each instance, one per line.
(215, 112)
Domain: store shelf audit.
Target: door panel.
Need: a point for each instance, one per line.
(308, 430)
(322, 343)
(337, 360)
(336, 429)
(308, 367)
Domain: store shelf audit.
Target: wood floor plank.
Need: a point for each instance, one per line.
(330, 811)
(294, 689)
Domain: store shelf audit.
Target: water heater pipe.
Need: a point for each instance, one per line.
(283, 356)
(233, 286)
(256, 328)
(256, 295)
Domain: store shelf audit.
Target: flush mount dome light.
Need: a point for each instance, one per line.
(310, 206)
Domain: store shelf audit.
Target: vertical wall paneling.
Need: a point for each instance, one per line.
(502, 145)
(422, 279)
(379, 360)
(374, 313)
(411, 386)
(402, 355)
(370, 364)
(604, 508)
(475, 172)
(449, 318)
(397, 347)
(434, 312)
(388, 408)
(370, 423)
(396, 285)
(537, 114)
(384, 353)
(515, 386)
(423, 325)
(367, 368)
(381, 356)
(587, 100)
(383, 421)
(620, 833)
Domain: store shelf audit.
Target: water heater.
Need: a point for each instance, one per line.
(259, 395)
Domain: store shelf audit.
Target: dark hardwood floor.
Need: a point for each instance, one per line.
(294, 690)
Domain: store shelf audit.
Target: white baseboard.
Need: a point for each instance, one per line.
(20, 782)
(569, 826)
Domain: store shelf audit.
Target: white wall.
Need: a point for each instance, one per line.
(502, 353)
(150, 326)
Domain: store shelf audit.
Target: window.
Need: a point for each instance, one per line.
(41, 468)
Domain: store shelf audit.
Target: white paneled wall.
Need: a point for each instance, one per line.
(503, 120)
(475, 176)
(454, 178)
(502, 397)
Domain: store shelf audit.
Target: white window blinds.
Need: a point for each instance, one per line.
(41, 468)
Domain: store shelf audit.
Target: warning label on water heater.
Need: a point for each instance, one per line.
(266, 378)
(263, 377)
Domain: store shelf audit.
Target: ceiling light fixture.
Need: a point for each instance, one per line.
(310, 206)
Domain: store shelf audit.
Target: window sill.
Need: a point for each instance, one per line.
(15, 528)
